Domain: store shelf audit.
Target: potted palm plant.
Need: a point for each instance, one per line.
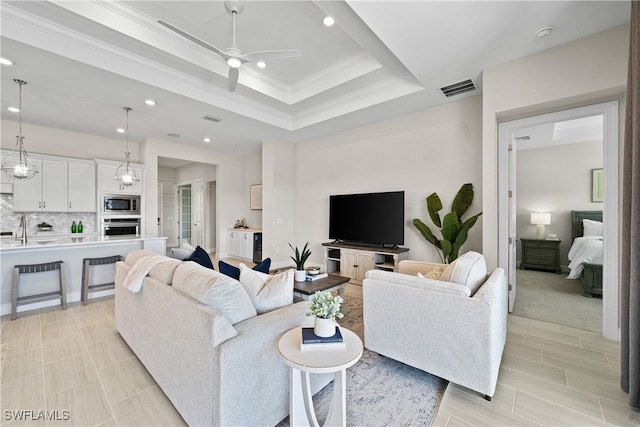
(300, 259)
(326, 309)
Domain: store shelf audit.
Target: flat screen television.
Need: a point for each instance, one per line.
(370, 218)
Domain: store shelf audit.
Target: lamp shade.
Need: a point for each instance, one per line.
(540, 218)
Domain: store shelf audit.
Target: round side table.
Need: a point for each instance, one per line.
(304, 362)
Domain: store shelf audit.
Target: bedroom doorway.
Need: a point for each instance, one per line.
(511, 134)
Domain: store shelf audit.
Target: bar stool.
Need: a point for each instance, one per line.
(86, 265)
(30, 299)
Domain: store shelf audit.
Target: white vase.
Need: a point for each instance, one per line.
(324, 327)
(300, 275)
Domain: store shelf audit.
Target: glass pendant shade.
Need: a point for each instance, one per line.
(17, 164)
(125, 173)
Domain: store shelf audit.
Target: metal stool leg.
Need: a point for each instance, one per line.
(63, 289)
(85, 282)
(14, 293)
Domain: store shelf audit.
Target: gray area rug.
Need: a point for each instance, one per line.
(381, 391)
(551, 297)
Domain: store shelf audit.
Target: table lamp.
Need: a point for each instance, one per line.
(540, 219)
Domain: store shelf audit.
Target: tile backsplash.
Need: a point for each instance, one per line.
(61, 221)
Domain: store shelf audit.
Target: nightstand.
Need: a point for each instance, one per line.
(538, 254)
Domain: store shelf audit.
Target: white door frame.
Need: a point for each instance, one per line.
(610, 214)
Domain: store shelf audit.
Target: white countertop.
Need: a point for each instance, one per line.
(254, 230)
(41, 242)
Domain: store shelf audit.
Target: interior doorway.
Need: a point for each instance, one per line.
(184, 207)
(507, 134)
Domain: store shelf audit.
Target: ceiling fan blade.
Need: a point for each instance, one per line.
(267, 55)
(194, 39)
(233, 79)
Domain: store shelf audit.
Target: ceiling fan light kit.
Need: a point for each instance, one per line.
(232, 55)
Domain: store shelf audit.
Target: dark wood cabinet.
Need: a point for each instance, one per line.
(540, 254)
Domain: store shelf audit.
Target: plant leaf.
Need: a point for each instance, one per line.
(434, 205)
(426, 232)
(450, 226)
(446, 250)
(463, 200)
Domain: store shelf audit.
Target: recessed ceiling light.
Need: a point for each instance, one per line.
(120, 130)
(13, 109)
(5, 61)
(328, 21)
(261, 64)
(150, 102)
(544, 32)
(207, 140)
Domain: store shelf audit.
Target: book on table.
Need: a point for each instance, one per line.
(311, 341)
(316, 277)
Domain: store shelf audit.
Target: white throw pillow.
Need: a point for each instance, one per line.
(591, 228)
(267, 292)
(446, 287)
(214, 289)
(183, 252)
(469, 269)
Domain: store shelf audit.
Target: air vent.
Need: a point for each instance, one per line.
(522, 138)
(458, 88)
(212, 119)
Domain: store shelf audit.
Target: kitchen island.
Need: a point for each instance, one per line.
(70, 250)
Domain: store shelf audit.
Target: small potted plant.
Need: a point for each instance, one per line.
(300, 258)
(326, 309)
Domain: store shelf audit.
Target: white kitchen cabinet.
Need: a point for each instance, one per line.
(82, 187)
(240, 244)
(47, 191)
(108, 184)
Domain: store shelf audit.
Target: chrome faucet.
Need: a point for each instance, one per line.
(23, 225)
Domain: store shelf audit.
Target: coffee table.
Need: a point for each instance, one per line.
(333, 282)
(303, 362)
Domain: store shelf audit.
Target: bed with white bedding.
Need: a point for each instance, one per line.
(585, 255)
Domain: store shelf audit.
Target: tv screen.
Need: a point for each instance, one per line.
(371, 218)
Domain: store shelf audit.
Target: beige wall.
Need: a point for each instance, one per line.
(555, 179)
(434, 150)
(581, 72)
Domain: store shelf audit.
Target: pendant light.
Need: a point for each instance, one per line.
(126, 174)
(17, 164)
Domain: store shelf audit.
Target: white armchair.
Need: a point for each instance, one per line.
(454, 327)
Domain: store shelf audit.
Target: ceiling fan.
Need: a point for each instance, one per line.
(232, 55)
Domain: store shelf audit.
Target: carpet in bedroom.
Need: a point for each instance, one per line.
(381, 391)
(553, 298)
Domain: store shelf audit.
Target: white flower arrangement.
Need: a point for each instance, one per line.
(325, 306)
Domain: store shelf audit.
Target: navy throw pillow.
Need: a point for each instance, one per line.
(201, 257)
(234, 272)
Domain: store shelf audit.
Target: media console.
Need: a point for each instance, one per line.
(353, 261)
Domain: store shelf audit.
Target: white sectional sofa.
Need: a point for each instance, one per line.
(454, 327)
(214, 372)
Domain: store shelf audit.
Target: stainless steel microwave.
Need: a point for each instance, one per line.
(118, 204)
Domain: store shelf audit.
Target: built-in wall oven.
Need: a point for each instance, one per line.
(120, 204)
(120, 227)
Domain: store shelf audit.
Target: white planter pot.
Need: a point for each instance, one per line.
(324, 327)
(300, 275)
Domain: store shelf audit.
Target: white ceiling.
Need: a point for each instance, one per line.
(85, 60)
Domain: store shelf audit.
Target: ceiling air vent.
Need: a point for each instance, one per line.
(458, 88)
(212, 119)
(522, 138)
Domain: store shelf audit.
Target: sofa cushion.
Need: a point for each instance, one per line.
(469, 269)
(163, 271)
(267, 292)
(233, 271)
(214, 289)
(201, 257)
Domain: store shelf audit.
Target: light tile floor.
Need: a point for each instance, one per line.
(75, 361)
(74, 365)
